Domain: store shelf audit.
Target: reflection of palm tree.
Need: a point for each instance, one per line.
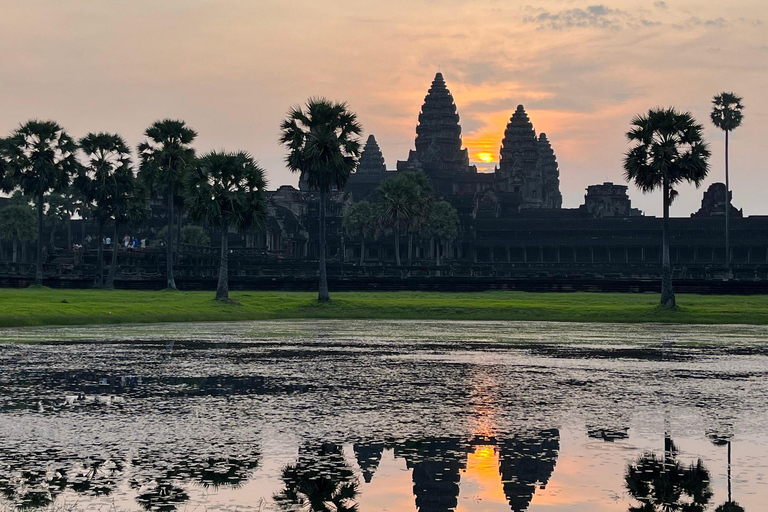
(159, 475)
(223, 472)
(159, 496)
(96, 476)
(663, 484)
(27, 481)
(720, 440)
(319, 481)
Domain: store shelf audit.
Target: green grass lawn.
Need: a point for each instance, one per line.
(42, 306)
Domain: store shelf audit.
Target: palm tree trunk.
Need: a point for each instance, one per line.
(97, 282)
(397, 244)
(39, 267)
(113, 265)
(222, 290)
(727, 212)
(667, 293)
(362, 252)
(178, 236)
(69, 233)
(730, 498)
(323, 295)
(15, 249)
(169, 251)
(410, 248)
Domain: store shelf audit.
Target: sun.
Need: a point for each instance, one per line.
(485, 157)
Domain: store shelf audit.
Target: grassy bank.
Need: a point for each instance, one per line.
(73, 307)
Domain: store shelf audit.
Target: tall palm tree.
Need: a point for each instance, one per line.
(323, 141)
(442, 226)
(40, 158)
(128, 206)
(405, 201)
(360, 222)
(726, 115)
(165, 157)
(421, 190)
(101, 182)
(226, 190)
(668, 150)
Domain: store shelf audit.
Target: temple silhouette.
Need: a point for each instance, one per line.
(512, 225)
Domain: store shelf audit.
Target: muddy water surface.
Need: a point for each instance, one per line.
(374, 416)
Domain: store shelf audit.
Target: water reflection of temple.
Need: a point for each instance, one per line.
(524, 461)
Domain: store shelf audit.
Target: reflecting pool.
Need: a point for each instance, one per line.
(384, 416)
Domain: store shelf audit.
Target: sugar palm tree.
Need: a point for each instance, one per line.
(442, 226)
(40, 158)
(226, 190)
(128, 206)
(323, 141)
(421, 190)
(165, 157)
(360, 222)
(668, 150)
(101, 182)
(404, 203)
(726, 115)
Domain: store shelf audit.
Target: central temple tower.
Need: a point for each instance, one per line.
(438, 150)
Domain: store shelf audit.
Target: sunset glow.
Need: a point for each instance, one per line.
(231, 70)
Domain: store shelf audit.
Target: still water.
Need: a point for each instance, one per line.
(384, 416)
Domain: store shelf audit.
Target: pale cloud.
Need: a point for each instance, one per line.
(593, 16)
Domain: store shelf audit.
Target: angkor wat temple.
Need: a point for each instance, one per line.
(512, 223)
(512, 219)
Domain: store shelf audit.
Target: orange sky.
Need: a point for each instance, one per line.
(231, 68)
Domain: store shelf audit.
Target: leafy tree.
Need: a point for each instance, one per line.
(405, 201)
(442, 226)
(360, 222)
(17, 222)
(726, 115)
(226, 190)
(668, 150)
(40, 158)
(323, 141)
(195, 235)
(102, 183)
(165, 157)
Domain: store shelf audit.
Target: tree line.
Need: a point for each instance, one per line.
(405, 206)
(95, 176)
